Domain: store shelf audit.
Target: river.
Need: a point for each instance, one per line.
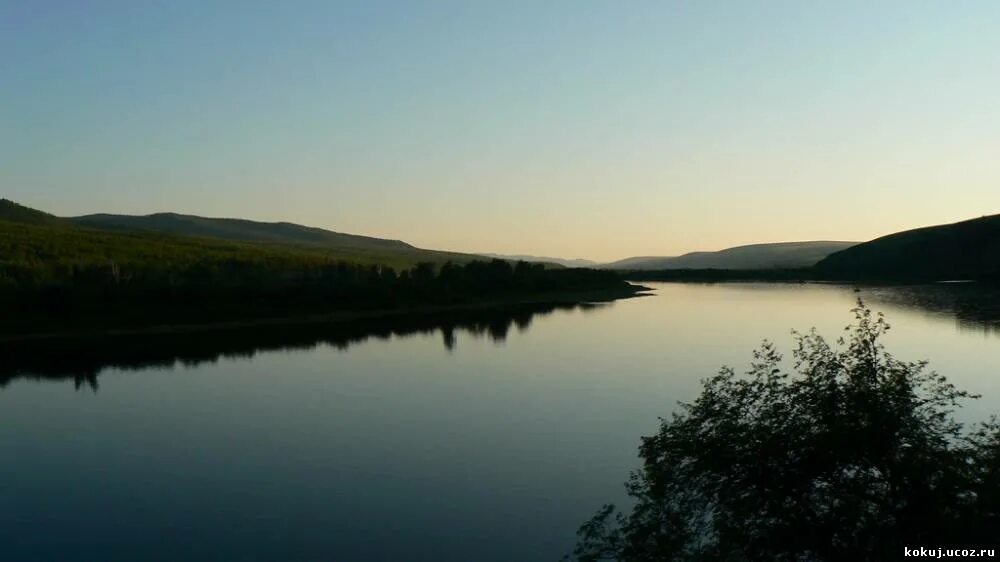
(488, 435)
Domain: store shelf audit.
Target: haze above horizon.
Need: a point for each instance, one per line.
(573, 129)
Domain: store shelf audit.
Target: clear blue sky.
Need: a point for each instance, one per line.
(573, 128)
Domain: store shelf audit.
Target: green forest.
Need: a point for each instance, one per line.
(53, 273)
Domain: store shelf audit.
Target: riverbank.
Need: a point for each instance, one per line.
(805, 275)
(628, 290)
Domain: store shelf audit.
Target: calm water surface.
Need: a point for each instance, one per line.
(485, 437)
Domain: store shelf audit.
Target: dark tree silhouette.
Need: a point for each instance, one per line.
(68, 279)
(853, 457)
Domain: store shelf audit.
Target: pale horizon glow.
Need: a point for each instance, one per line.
(574, 129)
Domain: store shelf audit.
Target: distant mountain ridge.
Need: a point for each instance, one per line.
(579, 262)
(963, 250)
(779, 255)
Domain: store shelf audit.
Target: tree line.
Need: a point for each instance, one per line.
(76, 274)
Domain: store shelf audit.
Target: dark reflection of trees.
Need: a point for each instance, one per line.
(974, 306)
(81, 359)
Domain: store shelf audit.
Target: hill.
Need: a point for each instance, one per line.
(13, 212)
(963, 250)
(350, 247)
(782, 255)
(59, 276)
(540, 259)
(237, 229)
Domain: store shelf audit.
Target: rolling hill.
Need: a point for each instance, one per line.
(59, 277)
(963, 250)
(14, 212)
(238, 230)
(223, 234)
(755, 256)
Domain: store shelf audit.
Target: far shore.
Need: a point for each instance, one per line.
(344, 316)
(780, 276)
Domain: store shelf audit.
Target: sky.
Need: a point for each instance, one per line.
(578, 128)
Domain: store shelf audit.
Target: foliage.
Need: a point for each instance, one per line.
(103, 277)
(852, 457)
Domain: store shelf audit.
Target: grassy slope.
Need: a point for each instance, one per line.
(35, 236)
(335, 245)
(236, 230)
(57, 243)
(63, 245)
(754, 256)
(13, 212)
(964, 250)
(32, 238)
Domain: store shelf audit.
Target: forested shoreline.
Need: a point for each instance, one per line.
(111, 272)
(57, 278)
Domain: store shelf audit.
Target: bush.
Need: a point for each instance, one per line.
(854, 457)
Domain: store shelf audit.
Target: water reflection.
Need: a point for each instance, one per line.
(975, 307)
(81, 359)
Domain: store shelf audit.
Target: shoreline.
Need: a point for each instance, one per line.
(872, 282)
(344, 316)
